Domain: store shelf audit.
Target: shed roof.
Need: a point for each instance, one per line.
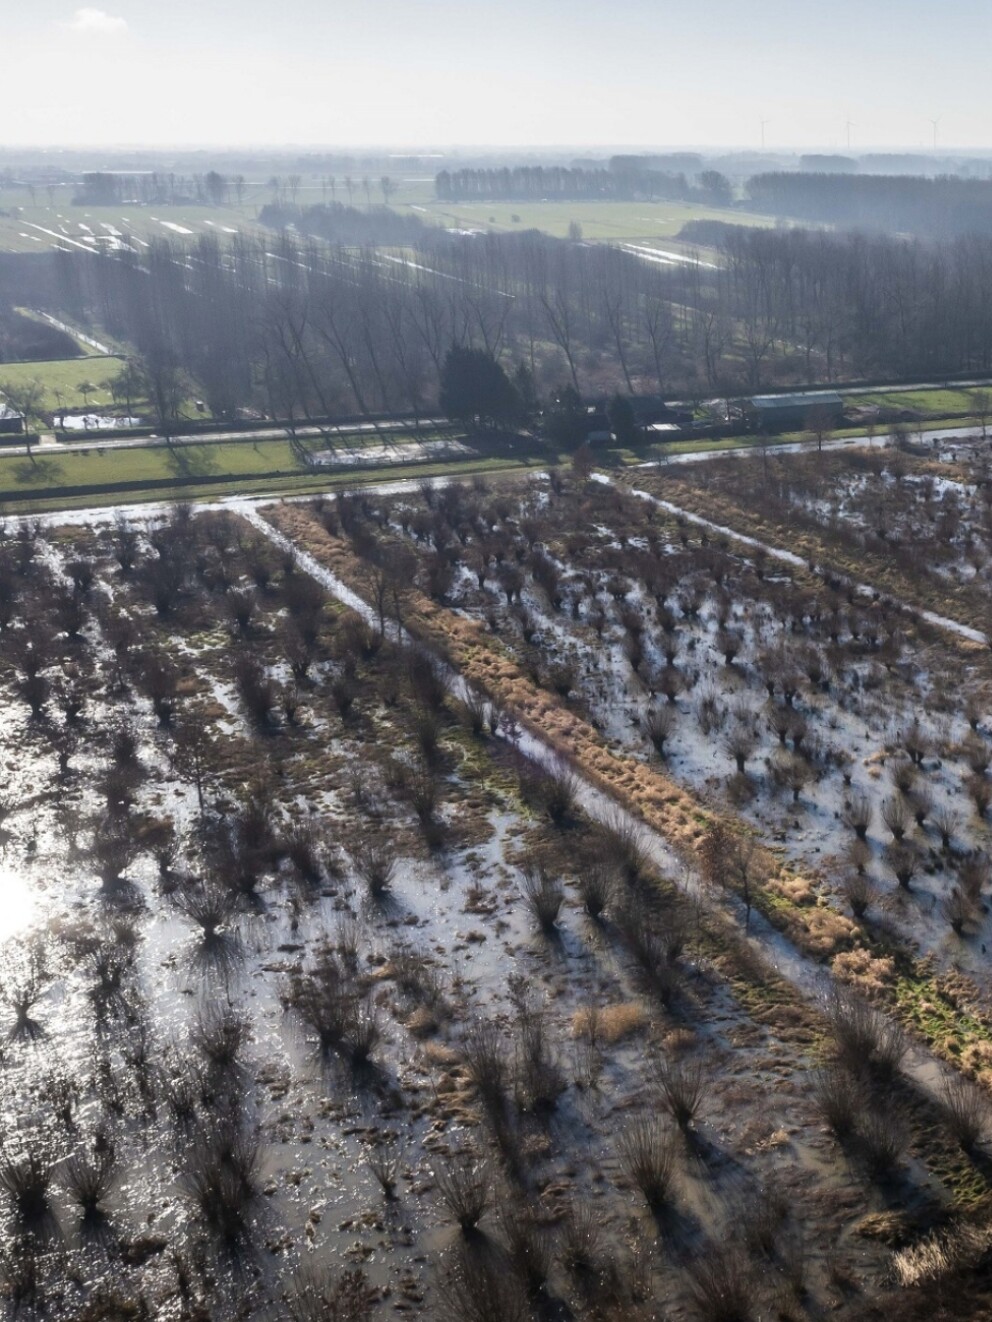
(806, 400)
(7, 412)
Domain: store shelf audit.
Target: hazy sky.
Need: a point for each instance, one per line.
(529, 72)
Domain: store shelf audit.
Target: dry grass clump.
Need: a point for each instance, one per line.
(609, 1023)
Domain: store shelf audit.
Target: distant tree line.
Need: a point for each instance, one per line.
(563, 183)
(297, 328)
(944, 207)
(101, 188)
(338, 223)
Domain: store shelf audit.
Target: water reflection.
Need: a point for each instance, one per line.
(18, 907)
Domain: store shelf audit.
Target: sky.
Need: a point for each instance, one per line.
(528, 73)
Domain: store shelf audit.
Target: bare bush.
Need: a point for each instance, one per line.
(89, 1176)
(860, 892)
(485, 1056)
(659, 726)
(881, 1141)
(597, 886)
(375, 862)
(965, 1109)
(220, 1034)
(383, 1161)
(544, 895)
(721, 1285)
(864, 1038)
(206, 903)
(27, 1175)
(648, 1158)
(683, 1087)
(895, 815)
(840, 1096)
(904, 860)
(220, 1175)
(465, 1186)
(857, 815)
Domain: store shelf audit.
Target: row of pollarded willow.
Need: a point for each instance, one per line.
(252, 883)
(912, 528)
(492, 666)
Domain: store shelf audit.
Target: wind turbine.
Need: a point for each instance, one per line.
(849, 125)
(935, 122)
(763, 123)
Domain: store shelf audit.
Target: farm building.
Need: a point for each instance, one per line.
(11, 422)
(794, 412)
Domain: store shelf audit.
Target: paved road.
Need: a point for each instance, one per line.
(49, 442)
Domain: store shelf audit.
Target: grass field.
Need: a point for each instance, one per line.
(940, 403)
(30, 226)
(64, 376)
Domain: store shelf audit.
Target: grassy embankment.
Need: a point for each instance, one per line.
(51, 479)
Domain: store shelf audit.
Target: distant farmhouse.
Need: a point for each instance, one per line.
(651, 414)
(11, 422)
(772, 413)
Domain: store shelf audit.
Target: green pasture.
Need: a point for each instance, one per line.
(64, 376)
(35, 224)
(936, 403)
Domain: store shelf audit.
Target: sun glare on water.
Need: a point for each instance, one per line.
(17, 904)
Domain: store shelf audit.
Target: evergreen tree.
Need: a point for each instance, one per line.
(475, 390)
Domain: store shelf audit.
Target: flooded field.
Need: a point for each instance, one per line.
(332, 990)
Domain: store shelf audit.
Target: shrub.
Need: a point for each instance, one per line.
(375, 862)
(383, 1161)
(220, 1176)
(220, 1034)
(319, 1296)
(721, 1286)
(465, 1186)
(857, 814)
(597, 887)
(860, 892)
(485, 1056)
(206, 903)
(647, 1156)
(659, 726)
(881, 1141)
(27, 1178)
(864, 1038)
(544, 895)
(840, 1096)
(683, 1087)
(966, 1112)
(88, 1177)
(895, 815)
